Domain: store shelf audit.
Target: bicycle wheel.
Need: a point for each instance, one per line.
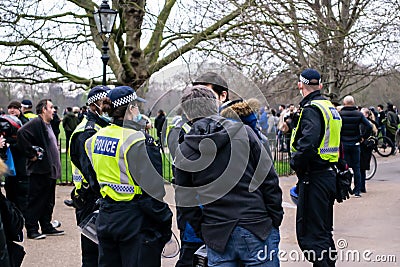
(385, 146)
(372, 168)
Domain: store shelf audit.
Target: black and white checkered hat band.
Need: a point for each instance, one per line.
(124, 100)
(96, 97)
(306, 81)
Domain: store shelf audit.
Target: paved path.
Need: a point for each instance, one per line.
(370, 223)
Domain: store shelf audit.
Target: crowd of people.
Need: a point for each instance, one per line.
(220, 150)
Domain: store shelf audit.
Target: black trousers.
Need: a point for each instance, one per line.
(122, 241)
(17, 191)
(314, 218)
(41, 203)
(90, 250)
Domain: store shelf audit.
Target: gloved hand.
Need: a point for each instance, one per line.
(343, 185)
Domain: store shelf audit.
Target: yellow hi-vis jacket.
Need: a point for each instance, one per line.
(30, 115)
(329, 147)
(107, 151)
(77, 176)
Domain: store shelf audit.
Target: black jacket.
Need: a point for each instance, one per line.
(55, 124)
(351, 123)
(230, 178)
(34, 133)
(309, 137)
(69, 122)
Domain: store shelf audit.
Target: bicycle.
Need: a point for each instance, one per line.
(382, 145)
(373, 165)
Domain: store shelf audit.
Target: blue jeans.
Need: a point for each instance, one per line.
(352, 157)
(246, 247)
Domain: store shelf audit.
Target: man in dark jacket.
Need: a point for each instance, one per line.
(392, 123)
(69, 122)
(55, 123)
(190, 243)
(37, 140)
(351, 138)
(314, 147)
(159, 122)
(225, 187)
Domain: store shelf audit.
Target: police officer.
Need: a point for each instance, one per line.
(133, 224)
(26, 105)
(315, 147)
(85, 194)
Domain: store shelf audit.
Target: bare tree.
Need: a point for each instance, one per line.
(352, 42)
(48, 36)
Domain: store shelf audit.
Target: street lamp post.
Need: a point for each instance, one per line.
(105, 19)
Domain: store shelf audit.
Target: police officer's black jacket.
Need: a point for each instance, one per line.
(308, 137)
(78, 153)
(351, 121)
(228, 177)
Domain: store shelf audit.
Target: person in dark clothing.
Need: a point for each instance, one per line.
(69, 122)
(17, 186)
(190, 242)
(55, 123)
(392, 123)
(82, 113)
(11, 226)
(225, 187)
(87, 190)
(311, 159)
(37, 140)
(351, 138)
(380, 119)
(159, 125)
(366, 147)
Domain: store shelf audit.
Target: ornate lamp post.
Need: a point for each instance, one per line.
(105, 19)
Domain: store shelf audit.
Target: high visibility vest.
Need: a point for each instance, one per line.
(30, 115)
(329, 146)
(77, 176)
(107, 151)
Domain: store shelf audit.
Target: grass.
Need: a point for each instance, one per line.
(282, 168)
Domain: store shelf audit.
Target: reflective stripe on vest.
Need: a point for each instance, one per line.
(186, 128)
(329, 147)
(77, 176)
(107, 151)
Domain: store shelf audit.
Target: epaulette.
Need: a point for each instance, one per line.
(90, 125)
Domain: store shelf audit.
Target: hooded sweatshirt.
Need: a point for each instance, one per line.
(224, 179)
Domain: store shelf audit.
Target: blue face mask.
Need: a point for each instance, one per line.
(105, 117)
(138, 117)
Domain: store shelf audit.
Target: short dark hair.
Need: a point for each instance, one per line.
(42, 104)
(381, 106)
(199, 102)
